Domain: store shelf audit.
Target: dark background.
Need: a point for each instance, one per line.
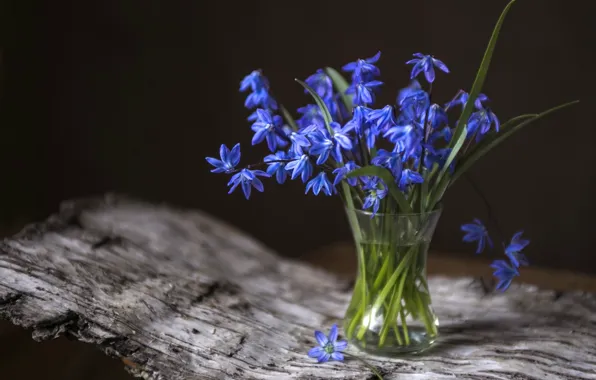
(130, 96)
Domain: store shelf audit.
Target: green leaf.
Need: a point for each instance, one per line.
(341, 85)
(459, 135)
(493, 134)
(288, 117)
(321, 104)
(498, 137)
(387, 177)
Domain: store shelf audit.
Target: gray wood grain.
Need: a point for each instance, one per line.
(178, 295)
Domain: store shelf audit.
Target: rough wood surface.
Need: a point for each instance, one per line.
(178, 295)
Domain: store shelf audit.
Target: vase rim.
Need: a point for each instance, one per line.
(437, 210)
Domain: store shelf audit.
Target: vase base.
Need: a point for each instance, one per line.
(418, 341)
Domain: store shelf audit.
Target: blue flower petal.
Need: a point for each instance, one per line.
(321, 338)
(316, 352)
(333, 334)
(340, 345)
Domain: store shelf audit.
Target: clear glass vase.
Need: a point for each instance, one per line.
(391, 311)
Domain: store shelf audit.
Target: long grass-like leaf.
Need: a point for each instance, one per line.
(499, 137)
(460, 132)
(341, 85)
(387, 177)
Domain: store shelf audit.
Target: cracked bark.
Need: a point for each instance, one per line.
(178, 295)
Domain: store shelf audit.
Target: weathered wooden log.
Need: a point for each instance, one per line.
(178, 295)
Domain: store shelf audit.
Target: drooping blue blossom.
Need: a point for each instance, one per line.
(480, 123)
(504, 273)
(321, 83)
(414, 106)
(442, 134)
(514, 248)
(311, 115)
(436, 156)
(363, 92)
(375, 191)
(247, 179)
(426, 64)
(342, 171)
(382, 118)
(320, 182)
(359, 122)
(259, 97)
(408, 91)
(254, 81)
(437, 116)
(406, 135)
(229, 159)
(409, 177)
(265, 128)
(328, 346)
(298, 143)
(277, 165)
(477, 232)
(323, 144)
(389, 160)
(363, 66)
(462, 98)
(300, 166)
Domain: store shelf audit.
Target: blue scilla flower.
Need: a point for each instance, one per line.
(299, 143)
(341, 172)
(462, 98)
(260, 98)
(363, 66)
(277, 165)
(480, 122)
(254, 81)
(376, 191)
(229, 159)
(408, 91)
(414, 106)
(363, 92)
(409, 177)
(504, 273)
(406, 135)
(389, 160)
(311, 115)
(441, 134)
(247, 179)
(320, 182)
(426, 64)
(328, 346)
(477, 232)
(359, 122)
(300, 166)
(437, 116)
(436, 156)
(323, 144)
(321, 83)
(266, 128)
(382, 118)
(513, 250)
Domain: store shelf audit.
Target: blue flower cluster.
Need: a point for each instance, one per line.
(505, 270)
(407, 138)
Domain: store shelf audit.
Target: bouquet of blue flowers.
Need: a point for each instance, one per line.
(391, 167)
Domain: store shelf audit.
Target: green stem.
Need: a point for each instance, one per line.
(404, 326)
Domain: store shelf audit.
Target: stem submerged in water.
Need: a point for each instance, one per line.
(391, 305)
